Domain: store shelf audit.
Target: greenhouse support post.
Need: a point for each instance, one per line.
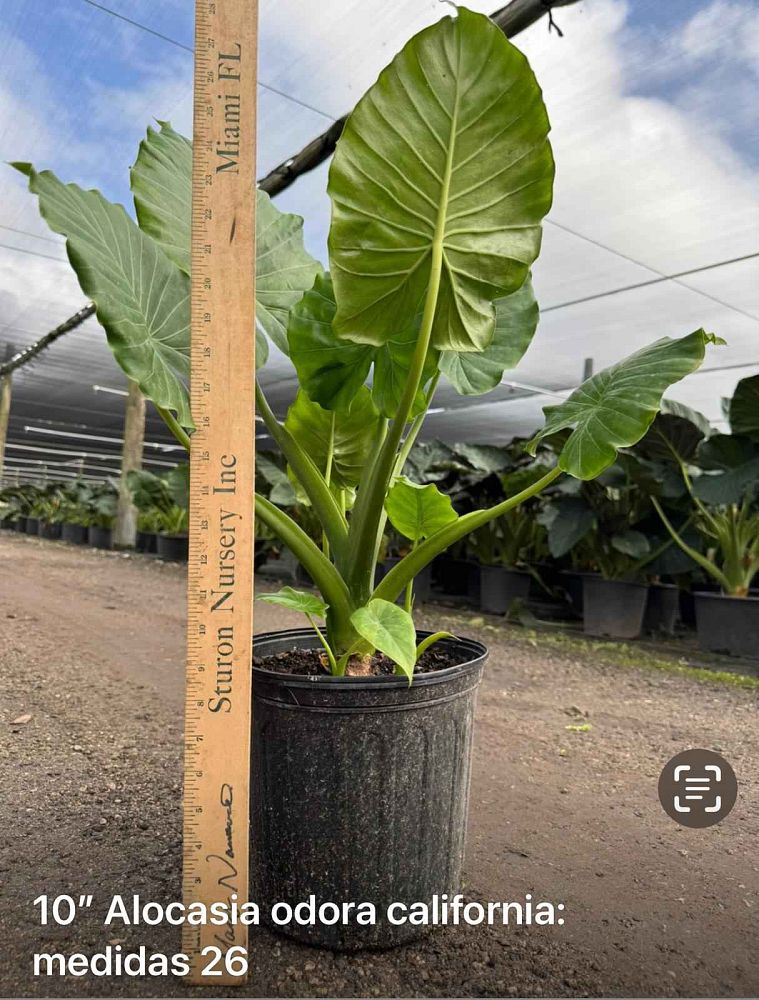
(5, 407)
(125, 531)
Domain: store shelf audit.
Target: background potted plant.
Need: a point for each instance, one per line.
(438, 187)
(721, 480)
(164, 502)
(74, 512)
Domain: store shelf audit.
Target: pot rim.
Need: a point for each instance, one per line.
(615, 580)
(478, 649)
(748, 599)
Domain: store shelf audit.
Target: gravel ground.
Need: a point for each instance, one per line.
(91, 648)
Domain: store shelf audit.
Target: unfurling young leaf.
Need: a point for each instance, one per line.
(390, 629)
(418, 511)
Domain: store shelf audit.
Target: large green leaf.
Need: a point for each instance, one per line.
(418, 511)
(331, 369)
(297, 600)
(162, 185)
(734, 460)
(631, 543)
(516, 320)
(161, 181)
(390, 629)
(744, 408)
(615, 407)
(349, 434)
(568, 522)
(178, 481)
(443, 166)
(676, 432)
(142, 299)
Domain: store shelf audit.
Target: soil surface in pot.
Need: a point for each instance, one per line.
(92, 786)
(313, 662)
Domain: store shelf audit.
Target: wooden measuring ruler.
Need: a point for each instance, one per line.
(222, 535)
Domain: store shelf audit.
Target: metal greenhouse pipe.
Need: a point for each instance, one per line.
(511, 19)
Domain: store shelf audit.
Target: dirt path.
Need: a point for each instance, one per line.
(91, 644)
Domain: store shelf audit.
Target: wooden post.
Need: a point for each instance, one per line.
(125, 533)
(5, 407)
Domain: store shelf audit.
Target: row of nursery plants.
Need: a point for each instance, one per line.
(438, 187)
(84, 512)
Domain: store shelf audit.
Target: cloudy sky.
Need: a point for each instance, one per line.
(654, 113)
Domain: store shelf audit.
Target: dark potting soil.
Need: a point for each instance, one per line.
(313, 662)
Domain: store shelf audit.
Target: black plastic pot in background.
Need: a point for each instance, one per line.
(99, 538)
(20, 524)
(727, 624)
(455, 577)
(662, 609)
(32, 525)
(613, 608)
(500, 587)
(146, 541)
(8, 524)
(74, 534)
(359, 789)
(173, 547)
(571, 582)
(50, 530)
(422, 581)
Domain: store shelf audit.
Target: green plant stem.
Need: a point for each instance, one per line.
(309, 476)
(392, 585)
(328, 477)
(425, 644)
(695, 555)
(416, 426)
(321, 570)
(409, 598)
(174, 426)
(323, 641)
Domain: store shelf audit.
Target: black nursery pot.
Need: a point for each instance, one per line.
(99, 538)
(613, 608)
(459, 578)
(662, 608)
(500, 587)
(174, 547)
(50, 530)
(75, 534)
(727, 624)
(20, 524)
(422, 581)
(359, 789)
(32, 525)
(146, 541)
(8, 524)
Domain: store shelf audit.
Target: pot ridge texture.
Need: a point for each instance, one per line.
(359, 789)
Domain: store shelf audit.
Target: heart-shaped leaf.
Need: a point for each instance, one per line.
(631, 543)
(615, 407)
(347, 434)
(516, 320)
(744, 408)
(389, 629)
(297, 600)
(443, 168)
(141, 297)
(676, 432)
(418, 511)
(161, 181)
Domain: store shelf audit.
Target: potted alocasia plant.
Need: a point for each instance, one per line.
(362, 728)
(722, 483)
(165, 500)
